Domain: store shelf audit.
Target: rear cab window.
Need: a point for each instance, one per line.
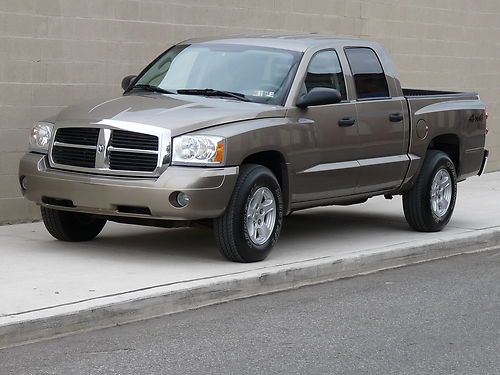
(369, 77)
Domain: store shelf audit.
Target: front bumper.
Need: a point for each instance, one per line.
(209, 191)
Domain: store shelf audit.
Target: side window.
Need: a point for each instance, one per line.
(325, 71)
(369, 77)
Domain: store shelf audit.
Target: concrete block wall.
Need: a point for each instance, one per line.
(57, 52)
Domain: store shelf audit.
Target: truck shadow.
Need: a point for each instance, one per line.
(159, 243)
(313, 223)
(306, 226)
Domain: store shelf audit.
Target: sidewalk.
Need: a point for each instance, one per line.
(129, 273)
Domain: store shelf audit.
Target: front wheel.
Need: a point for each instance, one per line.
(71, 226)
(428, 206)
(251, 224)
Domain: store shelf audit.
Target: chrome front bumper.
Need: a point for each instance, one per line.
(209, 191)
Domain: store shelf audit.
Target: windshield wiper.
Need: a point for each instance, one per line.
(214, 92)
(152, 89)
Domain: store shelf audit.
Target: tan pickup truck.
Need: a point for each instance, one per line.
(236, 133)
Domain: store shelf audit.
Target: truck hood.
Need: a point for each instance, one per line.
(178, 113)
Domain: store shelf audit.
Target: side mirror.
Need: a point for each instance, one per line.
(127, 81)
(319, 96)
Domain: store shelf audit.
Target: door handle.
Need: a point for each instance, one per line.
(396, 117)
(346, 121)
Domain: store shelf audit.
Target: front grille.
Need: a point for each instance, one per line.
(78, 136)
(131, 161)
(139, 141)
(125, 153)
(78, 157)
(132, 151)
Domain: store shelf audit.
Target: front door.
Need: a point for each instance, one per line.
(335, 172)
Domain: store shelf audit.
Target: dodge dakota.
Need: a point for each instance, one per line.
(235, 133)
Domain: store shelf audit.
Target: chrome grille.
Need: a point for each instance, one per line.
(133, 140)
(103, 150)
(79, 157)
(130, 161)
(78, 136)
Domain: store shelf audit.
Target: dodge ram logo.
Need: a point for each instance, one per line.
(100, 148)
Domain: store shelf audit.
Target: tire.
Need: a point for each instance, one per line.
(419, 210)
(235, 232)
(71, 226)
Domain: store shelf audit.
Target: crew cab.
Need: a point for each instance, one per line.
(235, 133)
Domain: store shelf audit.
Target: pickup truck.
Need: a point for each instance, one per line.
(235, 133)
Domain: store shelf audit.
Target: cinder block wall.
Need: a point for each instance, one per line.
(57, 52)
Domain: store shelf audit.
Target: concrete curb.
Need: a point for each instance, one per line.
(168, 299)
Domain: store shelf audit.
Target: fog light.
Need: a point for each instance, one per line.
(182, 199)
(24, 183)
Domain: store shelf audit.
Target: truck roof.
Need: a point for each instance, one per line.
(296, 42)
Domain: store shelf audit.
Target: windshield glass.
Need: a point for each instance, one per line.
(262, 74)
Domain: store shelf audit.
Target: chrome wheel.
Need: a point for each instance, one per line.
(441, 193)
(261, 216)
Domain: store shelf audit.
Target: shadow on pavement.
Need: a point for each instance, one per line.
(134, 242)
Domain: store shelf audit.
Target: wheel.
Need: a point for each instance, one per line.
(71, 226)
(251, 224)
(428, 206)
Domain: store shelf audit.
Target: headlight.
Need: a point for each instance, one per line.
(40, 137)
(198, 149)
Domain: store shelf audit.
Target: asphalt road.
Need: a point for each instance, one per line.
(441, 317)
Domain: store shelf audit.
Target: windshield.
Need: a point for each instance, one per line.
(261, 74)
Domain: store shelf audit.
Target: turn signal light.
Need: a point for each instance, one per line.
(219, 152)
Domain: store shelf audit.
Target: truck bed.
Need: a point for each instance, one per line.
(449, 117)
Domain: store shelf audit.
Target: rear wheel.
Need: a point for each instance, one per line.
(71, 226)
(428, 206)
(251, 225)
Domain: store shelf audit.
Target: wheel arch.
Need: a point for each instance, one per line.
(276, 162)
(448, 143)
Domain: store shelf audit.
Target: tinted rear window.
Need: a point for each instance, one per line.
(369, 77)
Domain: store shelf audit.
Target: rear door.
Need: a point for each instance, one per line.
(382, 126)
